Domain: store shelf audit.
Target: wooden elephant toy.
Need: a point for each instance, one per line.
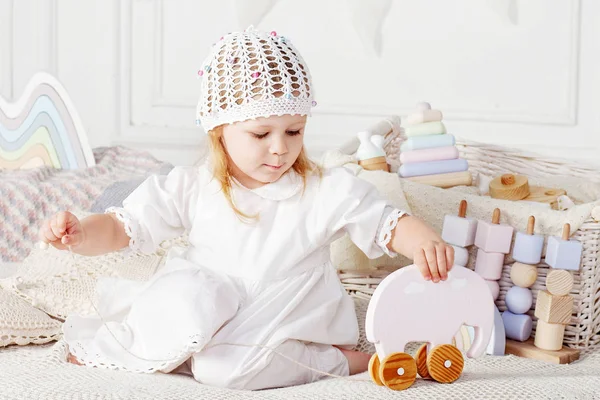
(406, 308)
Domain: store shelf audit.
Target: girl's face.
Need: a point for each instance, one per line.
(262, 150)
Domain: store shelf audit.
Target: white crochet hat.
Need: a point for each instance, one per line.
(252, 74)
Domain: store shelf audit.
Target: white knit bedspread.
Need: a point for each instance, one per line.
(40, 372)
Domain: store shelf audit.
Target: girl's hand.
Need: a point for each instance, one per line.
(434, 259)
(62, 231)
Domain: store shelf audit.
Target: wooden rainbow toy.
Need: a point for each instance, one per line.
(42, 129)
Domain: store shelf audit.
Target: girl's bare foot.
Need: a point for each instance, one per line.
(71, 359)
(357, 360)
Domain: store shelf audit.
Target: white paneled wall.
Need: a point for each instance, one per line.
(522, 73)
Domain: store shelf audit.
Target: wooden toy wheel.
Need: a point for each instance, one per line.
(398, 371)
(445, 363)
(374, 369)
(421, 358)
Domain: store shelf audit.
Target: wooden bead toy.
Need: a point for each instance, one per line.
(509, 187)
(518, 300)
(370, 153)
(528, 247)
(459, 230)
(549, 336)
(425, 155)
(494, 238)
(433, 167)
(489, 265)
(494, 288)
(451, 179)
(563, 253)
(427, 142)
(523, 275)
(517, 326)
(553, 309)
(559, 282)
(442, 309)
(461, 255)
(426, 128)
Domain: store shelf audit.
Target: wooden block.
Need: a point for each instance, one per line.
(523, 275)
(519, 300)
(494, 288)
(375, 164)
(424, 116)
(493, 237)
(549, 336)
(545, 195)
(553, 309)
(445, 180)
(559, 282)
(517, 326)
(489, 265)
(425, 155)
(461, 255)
(563, 253)
(426, 128)
(509, 187)
(459, 230)
(529, 350)
(528, 248)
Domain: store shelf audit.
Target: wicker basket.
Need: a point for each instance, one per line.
(584, 330)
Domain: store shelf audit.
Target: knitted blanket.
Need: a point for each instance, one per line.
(30, 196)
(41, 372)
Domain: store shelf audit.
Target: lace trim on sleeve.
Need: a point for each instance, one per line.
(385, 230)
(132, 228)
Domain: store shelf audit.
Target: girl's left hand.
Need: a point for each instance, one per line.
(434, 259)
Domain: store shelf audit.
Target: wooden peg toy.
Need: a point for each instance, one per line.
(523, 275)
(528, 349)
(370, 153)
(553, 309)
(528, 247)
(559, 282)
(509, 187)
(564, 253)
(494, 237)
(459, 230)
(549, 336)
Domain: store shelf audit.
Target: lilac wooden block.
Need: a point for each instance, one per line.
(489, 265)
(517, 326)
(493, 238)
(563, 254)
(519, 300)
(494, 288)
(433, 167)
(459, 231)
(461, 255)
(528, 248)
(424, 155)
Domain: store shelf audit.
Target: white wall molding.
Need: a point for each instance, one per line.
(6, 49)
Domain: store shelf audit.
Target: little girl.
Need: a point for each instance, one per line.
(255, 297)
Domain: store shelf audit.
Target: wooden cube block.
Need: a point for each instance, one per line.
(553, 309)
(528, 248)
(459, 231)
(563, 254)
(523, 275)
(489, 265)
(493, 238)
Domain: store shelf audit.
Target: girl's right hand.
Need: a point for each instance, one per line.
(62, 231)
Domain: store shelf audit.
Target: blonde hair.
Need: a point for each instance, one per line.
(219, 160)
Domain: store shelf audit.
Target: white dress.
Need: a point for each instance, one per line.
(268, 282)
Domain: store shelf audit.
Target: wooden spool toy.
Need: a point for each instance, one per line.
(509, 187)
(463, 298)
